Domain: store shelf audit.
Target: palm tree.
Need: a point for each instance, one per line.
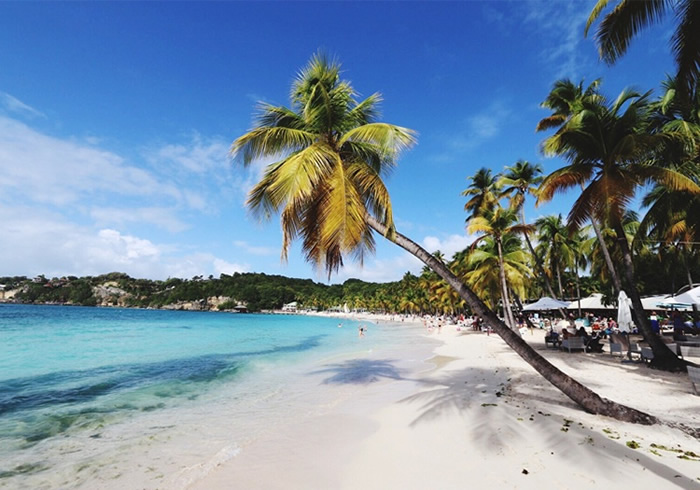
(611, 154)
(566, 100)
(554, 245)
(328, 186)
(517, 182)
(482, 271)
(580, 245)
(482, 192)
(496, 223)
(618, 27)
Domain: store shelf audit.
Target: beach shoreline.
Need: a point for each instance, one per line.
(480, 414)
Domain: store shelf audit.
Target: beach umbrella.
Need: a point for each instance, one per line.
(624, 312)
(546, 303)
(690, 297)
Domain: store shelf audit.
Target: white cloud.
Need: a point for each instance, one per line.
(40, 242)
(13, 104)
(202, 264)
(393, 269)
(476, 130)
(45, 169)
(255, 249)
(200, 156)
(448, 245)
(562, 24)
(164, 218)
(380, 270)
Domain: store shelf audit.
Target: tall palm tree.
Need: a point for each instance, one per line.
(516, 183)
(496, 223)
(611, 155)
(482, 192)
(618, 27)
(554, 241)
(328, 186)
(482, 271)
(566, 100)
(580, 245)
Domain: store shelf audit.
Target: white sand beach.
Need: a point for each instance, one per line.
(480, 417)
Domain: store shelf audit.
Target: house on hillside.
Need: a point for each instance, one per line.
(290, 307)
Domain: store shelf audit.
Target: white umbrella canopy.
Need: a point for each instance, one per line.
(546, 303)
(624, 312)
(690, 297)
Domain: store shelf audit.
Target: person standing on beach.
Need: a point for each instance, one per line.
(654, 322)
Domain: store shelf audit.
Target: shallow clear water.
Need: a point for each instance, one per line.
(114, 397)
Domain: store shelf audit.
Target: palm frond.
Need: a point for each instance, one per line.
(389, 139)
(686, 46)
(269, 141)
(562, 179)
(618, 28)
(595, 13)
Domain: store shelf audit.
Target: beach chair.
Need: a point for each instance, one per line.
(694, 375)
(647, 355)
(693, 353)
(573, 343)
(634, 350)
(615, 348)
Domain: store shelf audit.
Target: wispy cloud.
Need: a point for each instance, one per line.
(448, 245)
(393, 269)
(256, 249)
(35, 242)
(46, 169)
(380, 270)
(561, 24)
(476, 130)
(199, 155)
(16, 106)
(165, 218)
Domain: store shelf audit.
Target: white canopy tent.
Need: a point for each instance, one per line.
(546, 303)
(690, 297)
(593, 302)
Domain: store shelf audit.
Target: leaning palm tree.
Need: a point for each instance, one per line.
(327, 187)
(618, 27)
(611, 155)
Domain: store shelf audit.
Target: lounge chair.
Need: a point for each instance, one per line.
(615, 348)
(647, 354)
(634, 350)
(688, 351)
(694, 375)
(573, 343)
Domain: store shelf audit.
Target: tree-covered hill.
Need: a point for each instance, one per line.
(255, 291)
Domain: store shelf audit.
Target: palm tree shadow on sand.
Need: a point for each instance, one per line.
(360, 371)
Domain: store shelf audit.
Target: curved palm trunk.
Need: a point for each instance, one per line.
(538, 265)
(507, 311)
(608, 260)
(664, 358)
(583, 396)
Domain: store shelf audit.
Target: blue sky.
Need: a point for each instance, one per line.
(116, 120)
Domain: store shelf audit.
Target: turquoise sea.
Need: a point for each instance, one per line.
(108, 397)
